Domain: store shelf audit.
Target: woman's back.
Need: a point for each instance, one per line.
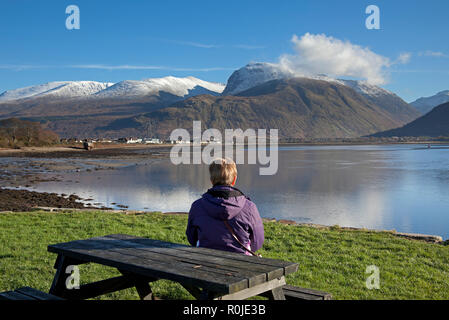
(225, 203)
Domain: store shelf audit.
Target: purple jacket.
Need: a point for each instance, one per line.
(221, 203)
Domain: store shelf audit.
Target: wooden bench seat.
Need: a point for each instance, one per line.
(297, 293)
(27, 293)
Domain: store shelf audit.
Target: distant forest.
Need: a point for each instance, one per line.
(15, 133)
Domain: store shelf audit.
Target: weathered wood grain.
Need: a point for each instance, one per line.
(36, 294)
(297, 293)
(217, 272)
(12, 295)
(106, 254)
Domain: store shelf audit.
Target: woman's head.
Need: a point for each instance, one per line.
(223, 172)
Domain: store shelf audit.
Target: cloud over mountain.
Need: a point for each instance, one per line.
(321, 54)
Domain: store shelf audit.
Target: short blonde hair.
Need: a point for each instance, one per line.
(222, 171)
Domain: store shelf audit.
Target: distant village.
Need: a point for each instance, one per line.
(157, 141)
(134, 140)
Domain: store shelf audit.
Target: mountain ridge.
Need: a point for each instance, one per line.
(298, 107)
(426, 104)
(126, 89)
(435, 123)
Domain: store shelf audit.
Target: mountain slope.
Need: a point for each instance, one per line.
(255, 74)
(298, 107)
(433, 124)
(425, 104)
(78, 107)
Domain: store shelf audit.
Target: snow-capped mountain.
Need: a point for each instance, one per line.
(258, 73)
(59, 89)
(426, 104)
(182, 87)
(254, 74)
(365, 88)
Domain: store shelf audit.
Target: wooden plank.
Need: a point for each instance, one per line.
(289, 267)
(124, 248)
(297, 293)
(273, 286)
(276, 294)
(199, 266)
(36, 294)
(99, 288)
(89, 250)
(255, 274)
(12, 295)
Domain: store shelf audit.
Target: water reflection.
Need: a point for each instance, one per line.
(385, 187)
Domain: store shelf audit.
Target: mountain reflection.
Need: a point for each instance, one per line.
(383, 187)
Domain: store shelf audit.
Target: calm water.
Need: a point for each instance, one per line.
(402, 187)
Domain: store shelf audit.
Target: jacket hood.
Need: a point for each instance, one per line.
(224, 208)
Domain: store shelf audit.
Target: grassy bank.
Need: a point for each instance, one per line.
(331, 260)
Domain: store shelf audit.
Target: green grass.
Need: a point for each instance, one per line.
(332, 260)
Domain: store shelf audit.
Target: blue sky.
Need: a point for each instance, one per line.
(209, 39)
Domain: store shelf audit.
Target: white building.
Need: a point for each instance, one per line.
(153, 141)
(134, 140)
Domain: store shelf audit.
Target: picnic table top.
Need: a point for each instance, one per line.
(214, 270)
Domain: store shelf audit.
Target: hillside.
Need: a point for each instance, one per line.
(426, 104)
(83, 108)
(17, 133)
(257, 73)
(259, 95)
(433, 124)
(298, 107)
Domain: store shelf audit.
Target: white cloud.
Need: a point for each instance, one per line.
(429, 53)
(404, 58)
(320, 54)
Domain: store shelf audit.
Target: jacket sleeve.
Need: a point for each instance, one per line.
(191, 231)
(257, 235)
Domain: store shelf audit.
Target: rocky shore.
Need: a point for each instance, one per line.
(24, 200)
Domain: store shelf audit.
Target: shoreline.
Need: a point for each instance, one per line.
(106, 150)
(109, 157)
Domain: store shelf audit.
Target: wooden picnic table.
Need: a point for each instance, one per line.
(205, 273)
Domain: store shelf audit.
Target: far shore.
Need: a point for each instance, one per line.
(107, 149)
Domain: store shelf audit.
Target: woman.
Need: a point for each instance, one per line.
(224, 218)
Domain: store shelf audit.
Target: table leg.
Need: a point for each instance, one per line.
(58, 287)
(142, 285)
(271, 289)
(196, 292)
(144, 291)
(276, 294)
